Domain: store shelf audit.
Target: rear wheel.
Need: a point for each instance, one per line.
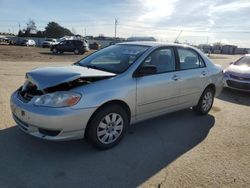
(205, 103)
(107, 127)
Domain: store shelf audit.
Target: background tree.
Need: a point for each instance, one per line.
(31, 28)
(54, 30)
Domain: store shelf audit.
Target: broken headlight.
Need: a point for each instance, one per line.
(58, 99)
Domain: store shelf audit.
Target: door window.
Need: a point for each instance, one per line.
(189, 59)
(162, 59)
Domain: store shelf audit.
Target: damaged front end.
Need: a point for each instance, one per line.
(38, 84)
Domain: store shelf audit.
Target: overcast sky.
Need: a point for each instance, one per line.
(202, 21)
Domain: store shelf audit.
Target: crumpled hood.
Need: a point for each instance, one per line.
(239, 70)
(51, 76)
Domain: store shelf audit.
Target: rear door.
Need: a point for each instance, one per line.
(158, 93)
(69, 46)
(194, 76)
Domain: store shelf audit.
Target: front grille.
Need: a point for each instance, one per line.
(239, 78)
(48, 132)
(28, 91)
(20, 123)
(238, 85)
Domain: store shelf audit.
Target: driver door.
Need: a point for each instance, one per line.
(158, 93)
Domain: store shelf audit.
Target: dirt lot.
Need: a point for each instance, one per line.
(174, 150)
(23, 53)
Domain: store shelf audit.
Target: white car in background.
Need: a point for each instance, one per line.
(49, 42)
(237, 75)
(28, 42)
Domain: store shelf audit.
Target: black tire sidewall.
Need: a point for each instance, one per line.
(55, 51)
(198, 109)
(95, 120)
(77, 52)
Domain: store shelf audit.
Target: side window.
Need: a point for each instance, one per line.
(68, 43)
(189, 59)
(162, 59)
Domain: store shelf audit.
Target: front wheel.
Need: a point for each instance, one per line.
(76, 51)
(205, 103)
(55, 51)
(107, 127)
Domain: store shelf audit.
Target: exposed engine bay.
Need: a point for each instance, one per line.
(29, 90)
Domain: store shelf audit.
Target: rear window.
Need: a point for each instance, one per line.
(189, 59)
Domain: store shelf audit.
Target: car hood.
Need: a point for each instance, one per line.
(239, 70)
(51, 76)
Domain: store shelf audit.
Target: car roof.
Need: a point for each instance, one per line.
(154, 44)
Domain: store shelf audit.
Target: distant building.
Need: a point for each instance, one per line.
(206, 48)
(241, 51)
(216, 49)
(130, 39)
(228, 49)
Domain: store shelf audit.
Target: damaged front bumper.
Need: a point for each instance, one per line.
(50, 123)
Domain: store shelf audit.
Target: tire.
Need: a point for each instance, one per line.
(55, 51)
(107, 127)
(205, 102)
(76, 51)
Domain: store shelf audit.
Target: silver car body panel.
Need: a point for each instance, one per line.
(146, 97)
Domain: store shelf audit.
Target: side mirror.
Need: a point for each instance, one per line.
(145, 70)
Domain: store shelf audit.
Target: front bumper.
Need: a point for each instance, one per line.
(236, 84)
(50, 123)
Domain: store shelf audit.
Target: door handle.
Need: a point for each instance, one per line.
(175, 77)
(204, 73)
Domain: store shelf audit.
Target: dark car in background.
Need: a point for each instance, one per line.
(76, 46)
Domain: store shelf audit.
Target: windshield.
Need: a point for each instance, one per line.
(115, 59)
(243, 61)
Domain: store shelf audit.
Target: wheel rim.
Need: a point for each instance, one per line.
(110, 128)
(54, 50)
(76, 51)
(207, 101)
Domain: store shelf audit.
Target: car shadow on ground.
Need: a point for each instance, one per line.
(147, 148)
(234, 96)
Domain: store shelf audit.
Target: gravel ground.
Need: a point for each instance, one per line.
(175, 150)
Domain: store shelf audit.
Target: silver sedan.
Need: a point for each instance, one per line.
(102, 94)
(237, 75)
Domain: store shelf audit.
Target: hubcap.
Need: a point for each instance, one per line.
(207, 101)
(110, 128)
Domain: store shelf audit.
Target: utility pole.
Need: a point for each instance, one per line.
(19, 27)
(85, 32)
(116, 22)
